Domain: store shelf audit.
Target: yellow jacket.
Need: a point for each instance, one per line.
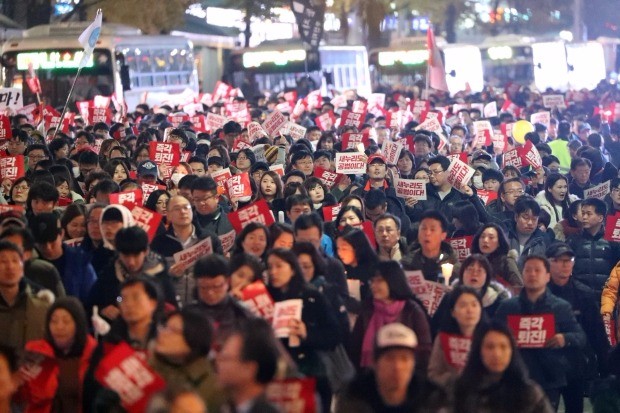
(610, 291)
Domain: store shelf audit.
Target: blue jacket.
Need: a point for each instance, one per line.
(547, 366)
(79, 275)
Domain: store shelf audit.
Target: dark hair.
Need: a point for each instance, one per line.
(348, 208)
(42, 191)
(242, 259)
(551, 180)
(105, 186)
(514, 381)
(527, 203)
(572, 210)
(204, 183)
(600, 207)
(151, 201)
(249, 154)
(374, 198)
(489, 174)
(345, 202)
(211, 266)
(320, 265)
(110, 167)
(437, 216)
(276, 180)
(503, 246)
(512, 169)
(297, 282)
(467, 215)
(71, 212)
(278, 228)
(313, 181)
(484, 263)
(8, 353)
(577, 162)
(149, 286)
(364, 252)
(186, 182)
(294, 172)
(449, 323)
(386, 216)
(131, 240)
(259, 345)
(24, 233)
(444, 161)
(197, 331)
(9, 246)
(251, 227)
(595, 140)
(307, 221)
(541, 258)
(74, 307)
(393, 274)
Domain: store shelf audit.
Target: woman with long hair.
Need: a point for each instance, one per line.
(244, 270)
(555, 198)
(253, 240)
(157, 201)
(465, 219)
(491, 241)
(66, 351)
(390, 301)
(117, 169)
(571, 225)
(358, 256)
(282, 235)
(495, 378)
(451, 345)
(73, 221)
(317, 330)
(270, 187)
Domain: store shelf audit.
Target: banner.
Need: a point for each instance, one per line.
(350, 163)
(455, 349)
(220, 177)
(293, 395)
(199, 123)
(128, 197)
(310, 16)
(351, 140)
(599, 191)
(461, 246)
(274, 122)
(544, 118)
(146, 219)
(417, 282)
(96, 115)
(459, 173)
(554, 101)
(256, 297)
(330, 213)
(410, 188)
(259, 212)
(431, 125)
(176, 120)
(348, 118)
(612, 227)
(215, 122)
(483, 133)
(391, 151)
(499, 142)
(532, 331)
(126, 372)
(238, 186)
(283, 313)
(490, 110)
(240, 144)
(513, 158)
(531, 156)
(486, 196)
(12, 167)
(148, 189)
(279, 169)
(359, 106)
(190, 255)
(296, 131)
(326, 121)
(5, 127)
(327, 177)
(228, 240)
(11, 98)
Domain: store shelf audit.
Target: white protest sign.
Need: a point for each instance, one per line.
(459, 173)
(259, 153)
(490, 110)
(410, 188)
(543, 118)
(296, 131)
(11, 98)
(598, 191)
(391, 151)
(351, 163)
(274, 121)
(554, 101)
(431, 125)
(214, 121)
(283, 313)
(255, 130)
(189, 256)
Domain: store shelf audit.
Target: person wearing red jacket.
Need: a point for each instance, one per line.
(57, 364)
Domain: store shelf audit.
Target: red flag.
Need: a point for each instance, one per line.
(437, 73)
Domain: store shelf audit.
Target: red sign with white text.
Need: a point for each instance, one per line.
(259, 212)
(461, 246)
(165, 153)
(238, 186)
(612, 228)
(147, 220)
(327, 177)
(455, 349)
(532, 331)
(256, 297)
(12, 167)
(351, 140)
(131, 197)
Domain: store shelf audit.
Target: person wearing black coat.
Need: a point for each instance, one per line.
(318, 329)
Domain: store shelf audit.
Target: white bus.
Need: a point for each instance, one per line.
(280, 66)
(134, 67)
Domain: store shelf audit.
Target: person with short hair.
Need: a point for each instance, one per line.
(502, 209)
(432, 250)
(392, 384)
(209, 214)
(246, 363)
(73, 265)
(594, 255)
(546, 365)
(390, 244)
(524, 236)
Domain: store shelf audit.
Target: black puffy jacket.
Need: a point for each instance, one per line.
(594, 258)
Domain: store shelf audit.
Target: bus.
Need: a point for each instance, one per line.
(279, 66)
(133, 67)
(403, 65)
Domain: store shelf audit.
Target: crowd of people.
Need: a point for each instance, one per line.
(99, 314)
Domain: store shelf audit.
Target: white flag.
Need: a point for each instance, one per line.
(88, 38)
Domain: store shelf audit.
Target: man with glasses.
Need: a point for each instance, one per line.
(502, 209)
(303, 161)
(387, 233)
(584, 302)
(212, 276)
(442, 196)
(524, 236)
(580, 172)
(210, 216)
(36, 153)
(178, 136)
(181, 234)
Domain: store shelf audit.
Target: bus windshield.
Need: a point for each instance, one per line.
(56, 69)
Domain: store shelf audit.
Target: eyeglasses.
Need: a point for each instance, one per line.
(186, 207)
(21, 187)
(515, 192)
(204, 200)
(305, 163)
(242, 158)
(436, 172)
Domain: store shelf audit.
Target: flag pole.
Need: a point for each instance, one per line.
(64, 109)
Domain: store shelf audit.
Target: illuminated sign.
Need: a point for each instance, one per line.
(411, 57)
(500, 53)
(256, 59)
(52, 60)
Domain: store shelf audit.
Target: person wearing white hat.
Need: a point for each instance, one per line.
(392, 384)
